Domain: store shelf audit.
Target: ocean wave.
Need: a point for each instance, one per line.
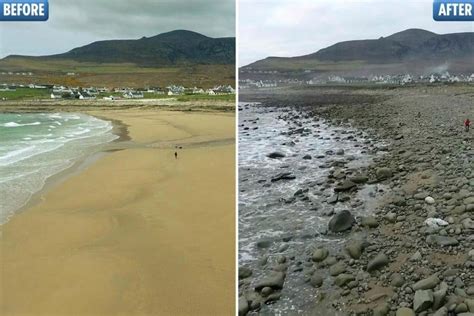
(15, 124)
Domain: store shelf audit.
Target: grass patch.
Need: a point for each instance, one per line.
(25, 93)
(197, 97)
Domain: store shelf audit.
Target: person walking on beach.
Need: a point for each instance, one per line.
(175, 155)
(467, 123)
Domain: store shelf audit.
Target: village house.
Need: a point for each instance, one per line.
(223, 90)
(198, 90)
(84, 95)
(56, 95)
(175, 90)
(133, 95)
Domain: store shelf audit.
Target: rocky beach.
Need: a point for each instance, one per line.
(377, 220)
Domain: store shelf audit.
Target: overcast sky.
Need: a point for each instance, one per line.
(75, 23)
(297, 27)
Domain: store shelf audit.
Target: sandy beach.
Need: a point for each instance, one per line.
(137, 232)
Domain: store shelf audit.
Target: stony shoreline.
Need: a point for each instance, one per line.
(415, 254)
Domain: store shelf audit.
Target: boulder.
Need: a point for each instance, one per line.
(426, 284)
(275, 280)
(423, 300)
(275, 155)
(429, 200)
(243, 306)
(442, 241)
(404, 311)
(345, 186)
(359, 179)
(443, 311)
(369, 221)
(381, 310)
(283, 176)
(316, 280)
(244, 272)
(354, 249)
(320, 254)
(337, 269)
(343, 279)
(341, 221)
(378, 262)
(397, 280)
(440, 295)
(383, 173)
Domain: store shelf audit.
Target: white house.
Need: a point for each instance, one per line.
(175, 90)
(133, 95)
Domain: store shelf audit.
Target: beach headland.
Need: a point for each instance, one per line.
(135, 232)
(414, 251)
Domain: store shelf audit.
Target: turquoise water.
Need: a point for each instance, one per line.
(33, 147)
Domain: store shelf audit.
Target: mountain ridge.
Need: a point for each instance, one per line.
(410, 46)
(174, 48)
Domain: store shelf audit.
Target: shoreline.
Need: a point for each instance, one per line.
(80, 164)
(135, 231)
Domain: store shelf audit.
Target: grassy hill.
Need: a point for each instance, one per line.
(412, 50)
(178, 57)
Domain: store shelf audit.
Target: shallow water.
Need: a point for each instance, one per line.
(268, 210)
(33, 147)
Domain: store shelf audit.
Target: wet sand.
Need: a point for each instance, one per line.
(138, 232)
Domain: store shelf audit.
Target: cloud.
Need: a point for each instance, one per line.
(299, 27)
(77, 23)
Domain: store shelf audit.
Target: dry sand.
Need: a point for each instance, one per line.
(137, 232)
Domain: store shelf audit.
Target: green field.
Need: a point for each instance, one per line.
(25, 93)
(49, 71)
(197, 97)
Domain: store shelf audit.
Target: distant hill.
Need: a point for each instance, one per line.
(413, 50)
(174, 48)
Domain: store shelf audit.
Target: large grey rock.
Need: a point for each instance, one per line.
(442, 241)
(397, 280)
(423, 300)
(243, 306)
(470, 304)
(381, 310)
(405, 311)
(337, 269)
(355, 248)
(443, 311)
(369, 221)
(244, 272)
(440, 295)
(320, 254)
(426, 284)
(468, 224)
(359, 179)
(316, 280)
(275, 280)
(343, 279)
(341, 221)
(383, 173)
(378, 262)
(275, 155)
(345, 186)
(283, 176)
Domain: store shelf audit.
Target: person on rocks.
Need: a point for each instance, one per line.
(175, 155)
(467, 123)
